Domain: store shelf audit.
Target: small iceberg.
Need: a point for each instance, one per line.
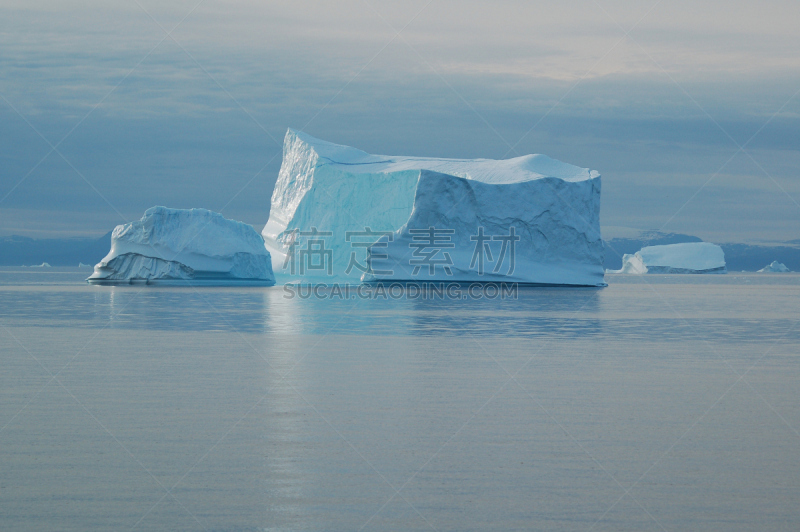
(775, 267)
(691, 257)
(177, 246)
(42, 265)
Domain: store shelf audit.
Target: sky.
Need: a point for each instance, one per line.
(689, 110)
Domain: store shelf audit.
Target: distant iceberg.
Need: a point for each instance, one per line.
(182, 245)
(42, 265)
(691, 257)
(774, 267)
(340, 213)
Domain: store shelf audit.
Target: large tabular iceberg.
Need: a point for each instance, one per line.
(340, 213)
(185, 245)
(691, 257)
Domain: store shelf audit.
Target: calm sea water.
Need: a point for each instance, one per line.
(659, 402)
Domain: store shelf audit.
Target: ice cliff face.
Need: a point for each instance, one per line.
(185, 245)
(340, 213)
(691, 257)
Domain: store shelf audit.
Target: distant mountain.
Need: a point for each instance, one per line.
(21, 250)
(738, 257)
(752, 258)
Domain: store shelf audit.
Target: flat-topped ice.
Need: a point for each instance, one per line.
(690, 257)
(552, 208)
(492, 171)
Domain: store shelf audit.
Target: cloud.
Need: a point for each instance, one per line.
(191, 124)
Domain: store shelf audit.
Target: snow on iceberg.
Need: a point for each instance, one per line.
(775, 267)
(340, 213)
(691, 257)
(180, 245)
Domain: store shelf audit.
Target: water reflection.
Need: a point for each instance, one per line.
(534, 312)
(622, 309)
(284, 408)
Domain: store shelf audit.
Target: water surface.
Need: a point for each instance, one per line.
(659, 402)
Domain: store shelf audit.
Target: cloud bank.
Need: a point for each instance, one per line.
(657, 96)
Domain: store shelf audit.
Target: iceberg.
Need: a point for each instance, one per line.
(774, 267)
(338, 213)
(185, 245)
(690, 257)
